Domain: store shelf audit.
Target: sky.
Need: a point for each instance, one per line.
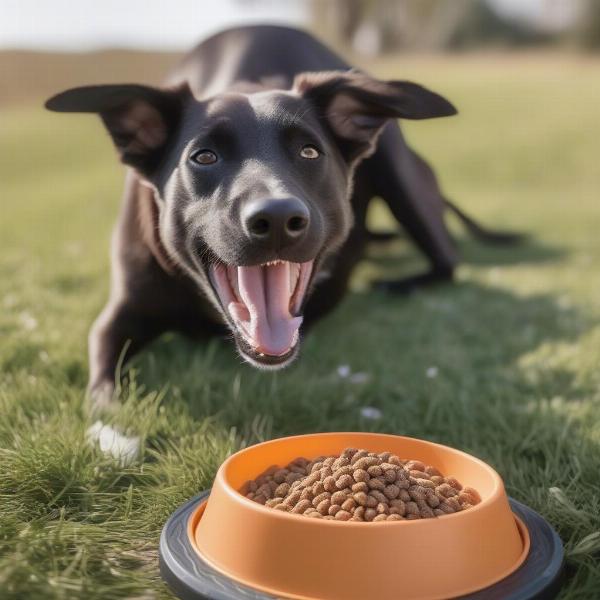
(76, 25)
(146, 24)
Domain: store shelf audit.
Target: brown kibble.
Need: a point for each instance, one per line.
(345, 481)
(360, 475)
(302, 506)
(378, 496)
(338, 497)
(376, 484)
(265, 490)
(404, 495)
(340, 462)
(329, 484)
(391, 491)
(342, 515)
(433, 500)
(446, 490)
(312, 478)
(365, 462)
(318, 488)
(398, 506)
(426, 483)
(291, 477)
(390, 475)
(317, 499)
(296, 469)
(357, 456)
(371, 501)
(306, 494)
(446, 508)
(473, 493)
(394, 517)
(324, 506)
(370, 514)
(361, 498)
(349, 504)
(375, 471)
(282, 489)
(382, 508)
(417, 493)
(359, 485)
(412, 508)
(432, 471)
(324, 473)
(273, 502)
(415, 465)
(454, 503)
(316, 466)
(451, 481)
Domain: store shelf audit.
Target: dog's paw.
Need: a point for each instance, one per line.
(123, 448)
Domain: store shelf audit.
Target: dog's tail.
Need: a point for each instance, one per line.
(483, 234)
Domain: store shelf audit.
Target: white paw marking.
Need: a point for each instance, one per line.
(125, 449)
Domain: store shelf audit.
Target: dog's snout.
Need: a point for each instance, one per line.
(277, 222)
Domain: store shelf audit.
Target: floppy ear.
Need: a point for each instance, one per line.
(356, 106)
(140, 119)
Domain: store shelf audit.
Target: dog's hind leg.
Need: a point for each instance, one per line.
(409, 187)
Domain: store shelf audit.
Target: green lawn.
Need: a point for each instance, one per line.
(516, 340)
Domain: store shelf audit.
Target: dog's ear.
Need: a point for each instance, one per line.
(356, 106)
(139, 118)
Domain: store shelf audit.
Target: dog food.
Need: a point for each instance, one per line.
(360, 485)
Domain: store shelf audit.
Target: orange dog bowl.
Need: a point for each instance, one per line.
(284, 555)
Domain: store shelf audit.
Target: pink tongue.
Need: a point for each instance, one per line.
(266, 317)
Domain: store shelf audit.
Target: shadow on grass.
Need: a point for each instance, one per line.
(473, 335)
(399, 254)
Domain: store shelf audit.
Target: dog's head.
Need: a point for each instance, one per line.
(253, 186)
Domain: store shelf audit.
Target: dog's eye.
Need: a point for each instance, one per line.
(309, 151)
(204, 157)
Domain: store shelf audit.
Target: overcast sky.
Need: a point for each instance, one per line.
(167, 24)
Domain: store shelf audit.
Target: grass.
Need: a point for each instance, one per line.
(515, 342)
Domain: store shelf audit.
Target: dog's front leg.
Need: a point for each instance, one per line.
(118, 333)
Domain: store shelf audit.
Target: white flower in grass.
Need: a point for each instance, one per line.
(28, 321)
(371, 413)
(432, 372)
(343, 371)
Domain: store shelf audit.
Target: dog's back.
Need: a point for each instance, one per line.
(268, 54)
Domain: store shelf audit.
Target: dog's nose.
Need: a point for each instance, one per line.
(276, 221)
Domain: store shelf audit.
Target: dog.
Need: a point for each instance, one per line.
(249, 176)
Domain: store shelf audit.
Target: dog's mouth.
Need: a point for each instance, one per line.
(264, 303)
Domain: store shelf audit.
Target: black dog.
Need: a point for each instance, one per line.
(246, 199)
